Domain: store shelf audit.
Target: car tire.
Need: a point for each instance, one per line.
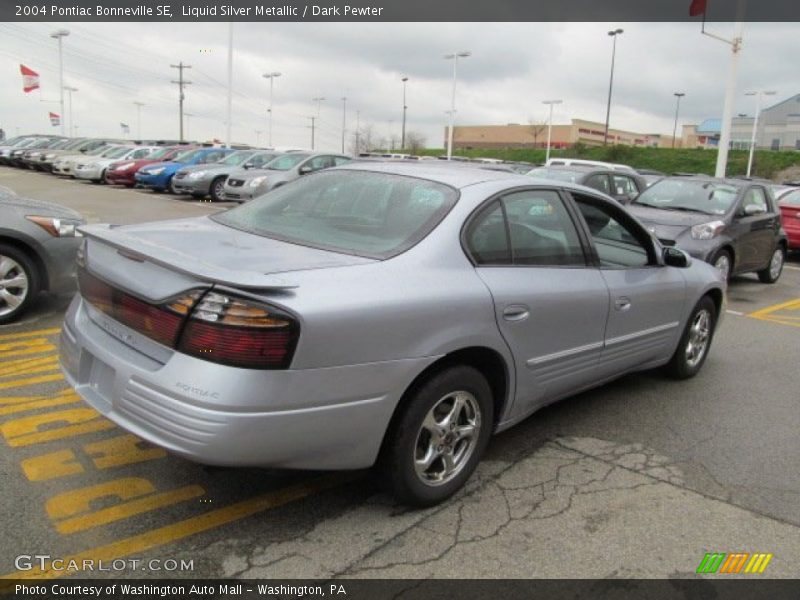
(216, 189)
(723, 260)
(198, 195)
(452, 453)
(15, 264)
(171, 186)
(775, 267)
(695, 342)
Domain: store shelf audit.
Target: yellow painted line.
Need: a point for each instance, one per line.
(790, 305)
(24, 334)
(23, 406)
(28, 366)
(169, 534)
(4, 385)
(25, 347)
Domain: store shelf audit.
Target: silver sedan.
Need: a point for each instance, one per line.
(383, 313)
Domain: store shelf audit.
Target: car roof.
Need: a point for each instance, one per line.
(457, 176)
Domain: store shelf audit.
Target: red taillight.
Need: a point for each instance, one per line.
(215, 327)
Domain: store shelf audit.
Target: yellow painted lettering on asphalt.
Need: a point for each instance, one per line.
(16, 404)
(27, 334)
(72, 511)
(16, 383)
(38, 345)
(121, 450)
(28, 366)
(51, 466)
(33, 429)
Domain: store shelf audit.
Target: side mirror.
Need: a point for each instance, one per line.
(753, 209)
(304, 170)
(673, 257)
(248, 165)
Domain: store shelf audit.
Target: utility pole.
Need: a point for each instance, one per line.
(313, 119)
(181, 82)
(230, 83)
(358, 129)
(60, 35)
(139, 106)
(678, 95)
(613, 33)
(344, 119)
(404, 79)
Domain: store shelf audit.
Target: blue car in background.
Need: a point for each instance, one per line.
(158, 176)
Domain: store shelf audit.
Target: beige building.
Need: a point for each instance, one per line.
(581, 131)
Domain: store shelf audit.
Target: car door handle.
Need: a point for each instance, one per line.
(516, 312)
(622, 303)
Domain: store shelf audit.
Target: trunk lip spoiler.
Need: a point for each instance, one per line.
(135, 248)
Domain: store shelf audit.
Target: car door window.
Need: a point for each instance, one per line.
(320, 162)
(340, 160)
(529, 227)
(141, 153)
(624, 186)
(618, 243)
(755, 197)
(598, 182)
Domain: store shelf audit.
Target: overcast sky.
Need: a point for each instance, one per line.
(513, 67)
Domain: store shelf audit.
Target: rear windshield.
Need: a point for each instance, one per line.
(375, 215)
(286, 162)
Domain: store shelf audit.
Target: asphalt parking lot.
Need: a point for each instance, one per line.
(640, 478)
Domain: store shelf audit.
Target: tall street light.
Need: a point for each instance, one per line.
(758, 95)
(139, 106)
(59, 34)
(69, 90)
(318, 100)
(454, 57)
(404, 79)
(678, 95)
(271, 76)
(613, 33)
(550, 126)
(258, 136)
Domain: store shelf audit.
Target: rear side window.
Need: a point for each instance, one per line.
(530, 227)
(617, 243)
(376, 215)
(599, 182)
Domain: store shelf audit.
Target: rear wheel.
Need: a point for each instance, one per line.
(19, 282)
(695, 341)
(438, 440)
(773, 271)
(724, 263)
(171, 186)
(217, 189)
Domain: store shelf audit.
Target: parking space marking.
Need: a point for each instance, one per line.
(174, 532)
(15, 383)
(785, 313)
(26, 334)
(37, 345)
(28, 366)
(37, 429)
(793, 268)
(15, 404)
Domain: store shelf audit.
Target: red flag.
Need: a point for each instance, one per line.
(30, 79)
(55, 119)
(697, 7)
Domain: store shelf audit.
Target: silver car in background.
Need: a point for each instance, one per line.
(245, 185)
(209, 179)
(377, 312)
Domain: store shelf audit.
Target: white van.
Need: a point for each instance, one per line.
(580, 162)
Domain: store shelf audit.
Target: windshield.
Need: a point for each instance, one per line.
(187, 156)
(116, 152)
(236, 159)
(701, 196)
(556, 174)
(374, 215)
(161, 153)
(287, 161)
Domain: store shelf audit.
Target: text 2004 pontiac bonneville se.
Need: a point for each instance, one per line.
(381, 313)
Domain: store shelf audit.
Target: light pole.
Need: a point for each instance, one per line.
(454, 57)
(758, 95)
(59, 34)
(139, 106)
(69, 90)
(344, 119)
(318, 100)
(550, 126)
(258, 136)
(187, 115)
(613, 33)
(271, 77)
(404, 79)
(678, 95)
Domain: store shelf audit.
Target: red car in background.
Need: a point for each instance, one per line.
(122, 173)
(789, 203)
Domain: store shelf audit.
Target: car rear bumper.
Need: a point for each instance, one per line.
(327, 418)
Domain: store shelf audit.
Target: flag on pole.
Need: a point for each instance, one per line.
(697, 7)
(125, 128)
(55, 120)
(30, 79)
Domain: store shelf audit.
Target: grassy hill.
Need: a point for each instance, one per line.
(766, 163)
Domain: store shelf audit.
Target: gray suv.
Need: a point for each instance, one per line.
(248, 184)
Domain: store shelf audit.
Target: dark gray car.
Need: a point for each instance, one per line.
(621, 185)
(38, 244)
(733, 224)
(209, 179)
(377, 312)
(245, 185)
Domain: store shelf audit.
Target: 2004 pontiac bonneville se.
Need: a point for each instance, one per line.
(388, 313)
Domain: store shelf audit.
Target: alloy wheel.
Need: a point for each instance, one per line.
(14, 285)
(776, 264)
(699, 335)
(723, 264)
